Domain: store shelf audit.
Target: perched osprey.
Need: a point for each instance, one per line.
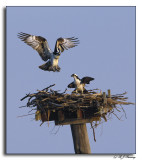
(40, 44)
(79, 84)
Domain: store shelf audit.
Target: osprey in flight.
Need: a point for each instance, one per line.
(40, 44)
(79, 84)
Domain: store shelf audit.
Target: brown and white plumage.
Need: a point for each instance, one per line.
(40, 44)
(79, 84)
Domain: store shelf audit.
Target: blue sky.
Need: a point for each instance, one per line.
(106, 52)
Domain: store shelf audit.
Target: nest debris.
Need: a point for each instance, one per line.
(54, 101)
(65, 108)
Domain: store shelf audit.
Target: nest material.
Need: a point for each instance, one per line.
(51, 105)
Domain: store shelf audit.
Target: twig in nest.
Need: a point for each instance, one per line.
(57, 130)
(93, 132)
(41, 124)
(116, 116)
(27, 95)
(25, 115)
(48, 87)
(52, 129)
(104, 117)
(117, 109)
(23, 106)
(32, 110)
(124, 111)
(64, 91)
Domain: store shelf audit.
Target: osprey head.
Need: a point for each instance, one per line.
(74, 75)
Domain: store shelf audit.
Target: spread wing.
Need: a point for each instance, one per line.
(38, 43)
(65, 43)
(86, 80)
(71, 85)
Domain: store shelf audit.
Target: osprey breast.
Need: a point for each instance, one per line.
(77, 82)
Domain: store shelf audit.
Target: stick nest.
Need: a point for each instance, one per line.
(48, 103)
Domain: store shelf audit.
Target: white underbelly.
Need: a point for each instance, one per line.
(55, 62)
(80, 87)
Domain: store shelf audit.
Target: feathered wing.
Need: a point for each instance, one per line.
(38, 43)
(71, 85)
(85, 91)
(65, 43)
(86, 80)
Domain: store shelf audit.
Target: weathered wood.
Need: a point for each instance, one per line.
(60, 115)
(104, 117)
(104, 98)
(77, 121)
(109, 93)
(48, 116)
(80, 139)
(38, 115)
(79, 113)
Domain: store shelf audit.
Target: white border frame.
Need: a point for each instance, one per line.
(4, 3)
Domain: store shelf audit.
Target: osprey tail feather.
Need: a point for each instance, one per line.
(49, 67)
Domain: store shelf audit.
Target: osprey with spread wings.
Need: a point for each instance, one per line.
(40, 44)
(79, 84)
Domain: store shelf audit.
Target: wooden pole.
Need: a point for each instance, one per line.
(80, 138)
